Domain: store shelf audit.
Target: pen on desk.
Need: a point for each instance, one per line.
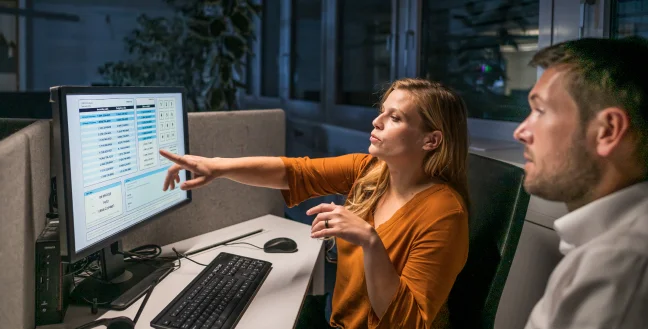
(223, 242)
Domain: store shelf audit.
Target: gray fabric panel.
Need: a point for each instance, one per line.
(38, 134)
(16, 238)
(223, 202)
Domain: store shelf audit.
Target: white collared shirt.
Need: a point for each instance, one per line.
(602, 282)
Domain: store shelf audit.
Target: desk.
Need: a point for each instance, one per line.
(278, 301)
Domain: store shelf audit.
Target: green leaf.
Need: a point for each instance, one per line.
(200, 28)
(241, 22)
(225, 74)
(227, 6)
(235, 44)
(217, 27)
(258, 9)
(217, 99)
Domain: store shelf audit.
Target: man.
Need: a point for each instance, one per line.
(586, 145)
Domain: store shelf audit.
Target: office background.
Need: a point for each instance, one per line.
(325, 62)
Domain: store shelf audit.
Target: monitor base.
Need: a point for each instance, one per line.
(123, 290)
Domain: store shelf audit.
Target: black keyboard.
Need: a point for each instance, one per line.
(218, 296)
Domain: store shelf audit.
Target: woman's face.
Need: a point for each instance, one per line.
(398, 131)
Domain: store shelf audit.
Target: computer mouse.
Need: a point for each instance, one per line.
(280, 245)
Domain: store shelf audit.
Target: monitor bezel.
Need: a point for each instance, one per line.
(63, 92)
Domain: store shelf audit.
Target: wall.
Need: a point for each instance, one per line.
(71, 52)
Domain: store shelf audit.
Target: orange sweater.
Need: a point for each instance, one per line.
(426, 239)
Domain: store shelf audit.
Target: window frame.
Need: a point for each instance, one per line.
(354, 116)
(294, 107)
(558, 21)
(326, 110)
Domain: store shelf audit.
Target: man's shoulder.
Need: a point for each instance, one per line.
(597, 277)
(628, 236)
(616, 256)
(623, 232)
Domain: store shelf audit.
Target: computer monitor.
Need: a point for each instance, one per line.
(109, 179)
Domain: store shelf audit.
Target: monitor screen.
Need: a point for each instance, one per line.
(116, 172)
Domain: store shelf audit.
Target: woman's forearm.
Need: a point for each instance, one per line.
(256, 171)
(382, 279)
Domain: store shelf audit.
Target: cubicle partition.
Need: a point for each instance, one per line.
(16, 234)
(25, 167)
(223, 202)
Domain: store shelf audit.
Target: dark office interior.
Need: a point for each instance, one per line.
(324, 62)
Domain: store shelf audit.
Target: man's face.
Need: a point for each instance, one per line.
(560, 164)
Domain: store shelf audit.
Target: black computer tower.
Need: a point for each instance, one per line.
(52, 283)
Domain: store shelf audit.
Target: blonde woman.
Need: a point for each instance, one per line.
(402, 235)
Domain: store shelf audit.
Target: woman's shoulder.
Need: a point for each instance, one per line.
(450, 198)
(441, 201)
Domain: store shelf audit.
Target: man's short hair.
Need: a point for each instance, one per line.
(605, 73)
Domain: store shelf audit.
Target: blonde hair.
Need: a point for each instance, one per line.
(440, 109)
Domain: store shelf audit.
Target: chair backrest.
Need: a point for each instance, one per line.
(498, 208)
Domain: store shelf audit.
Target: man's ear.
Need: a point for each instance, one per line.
(432, 140)
(612, 125)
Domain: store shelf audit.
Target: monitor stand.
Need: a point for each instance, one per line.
(118, 284)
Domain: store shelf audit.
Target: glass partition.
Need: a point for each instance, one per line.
(364, 50)
(482, 49)
(629, 17)
(8, 49)
(306, 55)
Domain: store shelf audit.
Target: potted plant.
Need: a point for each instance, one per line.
(202, 47)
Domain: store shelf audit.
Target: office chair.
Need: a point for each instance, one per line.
(497, 211)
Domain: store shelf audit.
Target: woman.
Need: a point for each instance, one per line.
(402, 235)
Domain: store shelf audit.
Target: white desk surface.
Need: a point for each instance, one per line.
(276, 304)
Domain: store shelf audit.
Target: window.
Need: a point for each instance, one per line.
(306, 54)
(482, 50)
(364, 37)
(270, 48)
(8, 49)
(630, 18)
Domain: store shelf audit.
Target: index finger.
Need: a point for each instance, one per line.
(322, 207)
(174, 157)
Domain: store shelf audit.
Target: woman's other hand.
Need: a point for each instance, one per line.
(204, 170)
(341, 223)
